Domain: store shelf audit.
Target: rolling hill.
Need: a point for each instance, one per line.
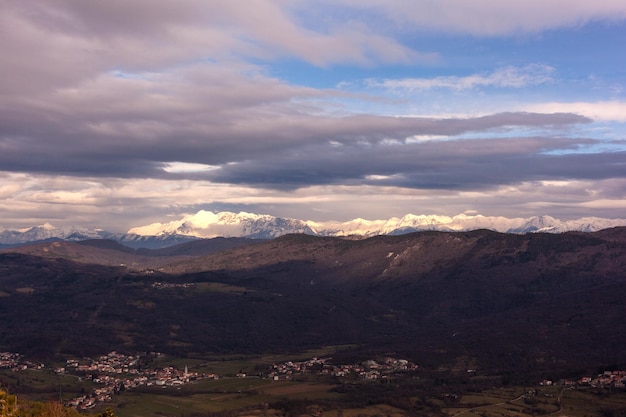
(499, 302)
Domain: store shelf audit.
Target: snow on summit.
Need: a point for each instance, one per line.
(207, 224)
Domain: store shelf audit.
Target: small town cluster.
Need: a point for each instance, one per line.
(115, 371)
(14, 362)
(164, 285)
(607, 379)
(367, 370)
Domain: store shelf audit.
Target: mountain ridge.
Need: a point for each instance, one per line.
(509, 301)
(206, 224)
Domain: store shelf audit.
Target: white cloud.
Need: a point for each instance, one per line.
(506, 77)
(65, 201)
(60, 42)
(600, 110)
(492, 17)
(186, 167)
(605, 204)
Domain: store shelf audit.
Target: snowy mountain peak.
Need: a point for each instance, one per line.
(48, 231)
(46, 226)
(205, 224)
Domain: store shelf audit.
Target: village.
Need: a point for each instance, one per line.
(113, 371)
(369, 369)
(116, 371)
(607, 379)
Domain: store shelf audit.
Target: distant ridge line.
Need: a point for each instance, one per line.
(207, 224)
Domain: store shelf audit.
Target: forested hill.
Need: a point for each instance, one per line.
(501, 301)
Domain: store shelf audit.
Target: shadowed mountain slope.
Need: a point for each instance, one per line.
(510, 303)
(110, 252)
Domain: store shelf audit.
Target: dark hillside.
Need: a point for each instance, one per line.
(193, 248)
(106, 244)
(96, 252)
(531, 303)
(110, 252)
(201, 247)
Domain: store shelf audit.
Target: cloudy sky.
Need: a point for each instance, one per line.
(120, 113)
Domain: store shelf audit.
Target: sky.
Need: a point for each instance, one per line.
(122, 113)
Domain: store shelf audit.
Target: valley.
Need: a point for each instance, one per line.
(513, 310)
(284, 385)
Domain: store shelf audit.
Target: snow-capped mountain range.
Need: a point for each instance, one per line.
(47, 232)
(206, 224)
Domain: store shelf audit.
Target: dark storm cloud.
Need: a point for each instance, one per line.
(458, 164)
(265, 144)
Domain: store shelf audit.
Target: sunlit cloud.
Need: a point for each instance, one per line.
(187, 167)
(601, 111)
(507, 77)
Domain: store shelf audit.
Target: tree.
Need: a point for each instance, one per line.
(8, 404)
(107, 413)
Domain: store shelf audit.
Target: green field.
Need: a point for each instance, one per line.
(230, 365)
(417, 394)
(256, 396)
(219, 287)
(214, 396)
(554, 400)
(45, 385)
